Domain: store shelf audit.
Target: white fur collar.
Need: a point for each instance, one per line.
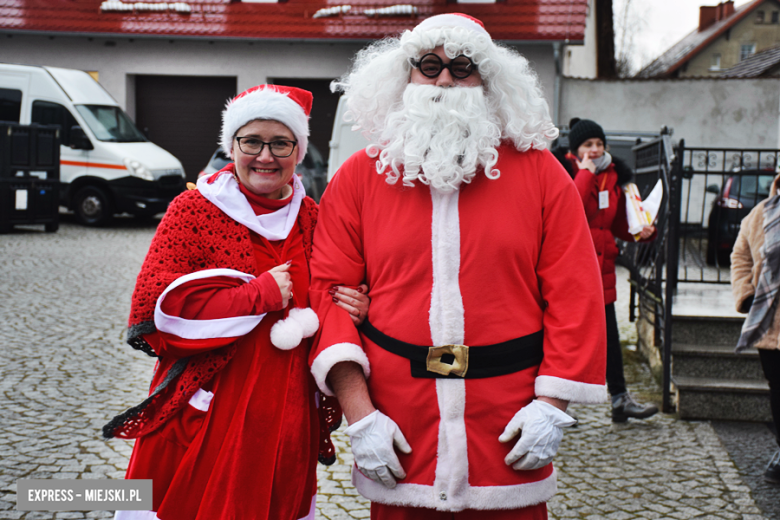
(226, 195)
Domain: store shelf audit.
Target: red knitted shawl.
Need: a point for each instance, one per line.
(195, 235)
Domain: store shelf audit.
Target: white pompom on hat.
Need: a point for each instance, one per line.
(453, 20)
(288, 333)
(290, 106)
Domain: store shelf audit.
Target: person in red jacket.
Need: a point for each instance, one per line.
(599, 178)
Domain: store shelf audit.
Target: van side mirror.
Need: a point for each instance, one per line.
(79, 139)
(713, 188)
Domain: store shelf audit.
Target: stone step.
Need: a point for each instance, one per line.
(703, 330)
(715, 361)
(721, 399)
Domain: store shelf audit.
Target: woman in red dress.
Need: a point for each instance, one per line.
(233, 425)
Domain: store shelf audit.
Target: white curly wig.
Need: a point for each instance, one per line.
(375, 85)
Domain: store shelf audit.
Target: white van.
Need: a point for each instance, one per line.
(106, 165)
(343, 141)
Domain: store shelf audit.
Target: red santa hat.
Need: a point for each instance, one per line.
(453, 20)
(290, 106)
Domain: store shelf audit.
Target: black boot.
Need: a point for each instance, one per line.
(772, 473)
(624, 406)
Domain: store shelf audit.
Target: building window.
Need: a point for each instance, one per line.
(715, 62)
(775, 17)
(746, 50)
(759, 16)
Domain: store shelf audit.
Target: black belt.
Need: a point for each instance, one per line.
(449, 361)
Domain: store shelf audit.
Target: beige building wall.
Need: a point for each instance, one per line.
(749, 31)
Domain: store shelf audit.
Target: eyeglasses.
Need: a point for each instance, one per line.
(253, 146)
(431, 66)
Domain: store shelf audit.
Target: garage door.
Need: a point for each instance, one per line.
(183, 114)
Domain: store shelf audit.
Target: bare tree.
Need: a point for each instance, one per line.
(628, 22)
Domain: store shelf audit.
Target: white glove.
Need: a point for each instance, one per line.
(373, 438)
(539, 425)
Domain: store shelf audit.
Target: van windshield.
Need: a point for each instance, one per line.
(110, 124)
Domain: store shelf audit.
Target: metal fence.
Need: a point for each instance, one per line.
(717, 189)
(707, 193)
(647, 261)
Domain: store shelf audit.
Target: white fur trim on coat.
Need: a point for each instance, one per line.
(477, 497)
(265, 104)
(448, 326)
(572, 391)
(205, 329)
(225, 194)
(336, 354)
(451, 20)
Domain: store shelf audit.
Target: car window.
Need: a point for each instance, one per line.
(220, 160)
(47, 113)
(110, 124)
(10, 104)
(755, 186)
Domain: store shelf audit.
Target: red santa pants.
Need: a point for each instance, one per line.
(386, 512)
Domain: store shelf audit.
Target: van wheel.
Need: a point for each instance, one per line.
(52, 227)
(92, 206)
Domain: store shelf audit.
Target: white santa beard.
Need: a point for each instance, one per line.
(440, 136)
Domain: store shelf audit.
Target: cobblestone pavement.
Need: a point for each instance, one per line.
(65, 370)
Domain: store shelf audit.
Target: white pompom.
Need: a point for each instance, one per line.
(286, 334)
(307, 319)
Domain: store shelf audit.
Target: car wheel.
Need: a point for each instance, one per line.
(52, 227)
(92, 206)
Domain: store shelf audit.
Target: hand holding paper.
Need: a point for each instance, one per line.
(640, 213)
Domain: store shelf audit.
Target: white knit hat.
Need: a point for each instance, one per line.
(290, 106)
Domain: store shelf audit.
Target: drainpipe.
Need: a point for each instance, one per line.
(557, 84)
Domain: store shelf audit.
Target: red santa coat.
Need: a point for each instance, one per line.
(493, 261)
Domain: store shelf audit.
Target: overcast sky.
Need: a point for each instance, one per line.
(659, 24)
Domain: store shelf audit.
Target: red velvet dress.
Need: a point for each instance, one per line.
(252, 452)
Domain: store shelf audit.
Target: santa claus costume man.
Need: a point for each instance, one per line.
(486, 314)
(233, 423)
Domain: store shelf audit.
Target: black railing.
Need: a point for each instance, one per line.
(717, 189)
(707, 193)
(646, 261)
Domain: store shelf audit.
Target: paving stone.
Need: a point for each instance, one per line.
(65, 370)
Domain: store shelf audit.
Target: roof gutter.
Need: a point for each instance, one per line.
(244, 38)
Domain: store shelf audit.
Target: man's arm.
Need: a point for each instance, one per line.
(349, 384)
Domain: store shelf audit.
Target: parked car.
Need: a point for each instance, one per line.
(312, 171)
(107, 165)
(739, 194)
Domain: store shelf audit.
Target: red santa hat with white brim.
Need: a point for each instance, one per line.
(453, 20)
(290, 106)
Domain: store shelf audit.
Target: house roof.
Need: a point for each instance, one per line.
(510, 20)
(679, 53)
(755, 65)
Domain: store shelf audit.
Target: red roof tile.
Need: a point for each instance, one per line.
(513, 20)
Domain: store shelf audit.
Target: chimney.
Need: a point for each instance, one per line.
(728, 9)
(708, 15)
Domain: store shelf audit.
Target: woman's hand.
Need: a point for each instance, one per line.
(283, 280)
(354, 301)
(586, 164)
(646, 232)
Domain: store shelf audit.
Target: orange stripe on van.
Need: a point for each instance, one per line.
(94, 165)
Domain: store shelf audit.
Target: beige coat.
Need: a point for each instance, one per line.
(746, 262)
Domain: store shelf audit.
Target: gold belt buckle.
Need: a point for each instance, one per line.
(458, 367)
